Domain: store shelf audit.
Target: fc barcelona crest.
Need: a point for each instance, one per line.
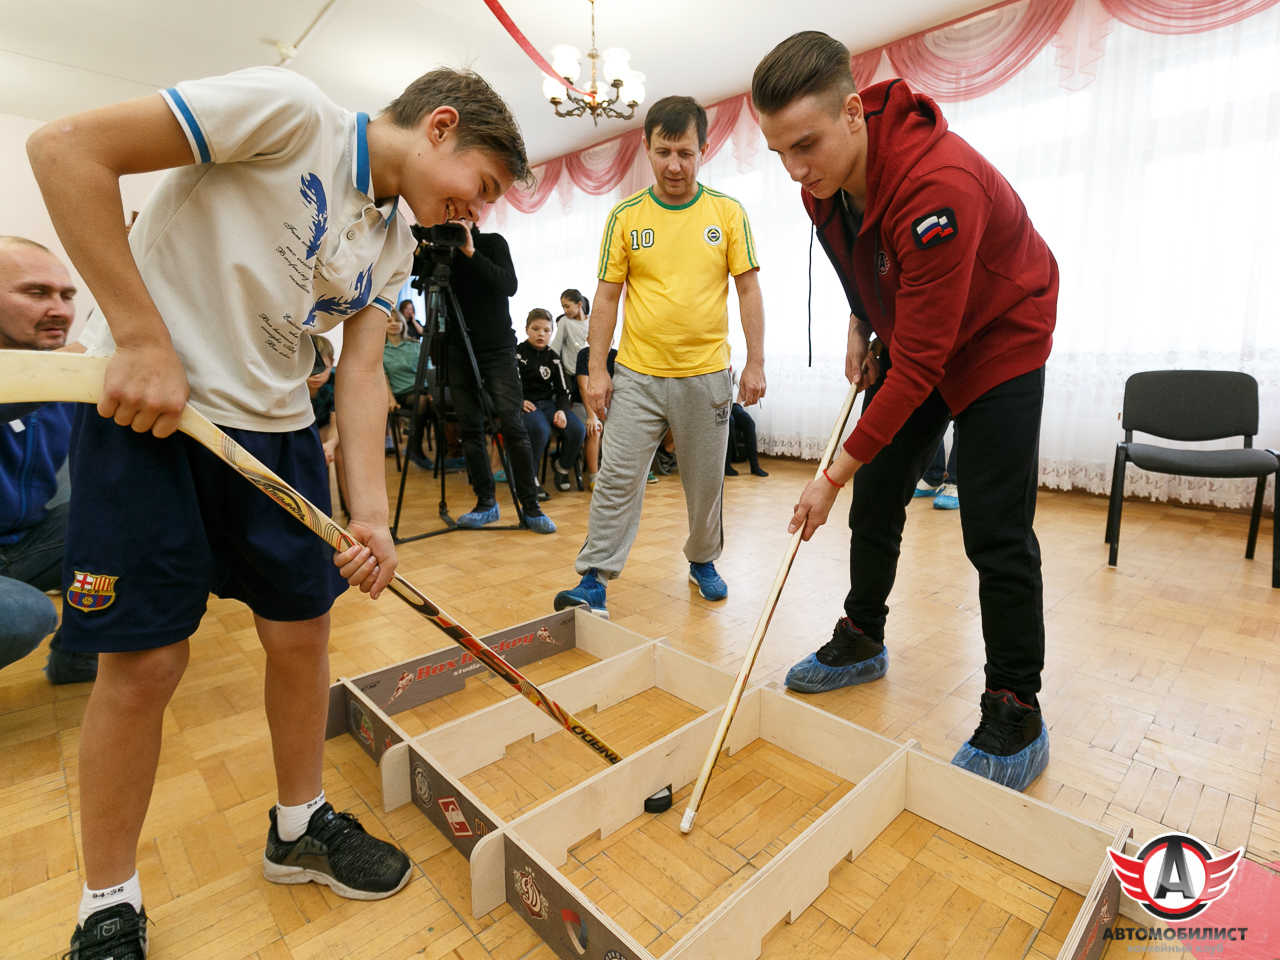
(91, 591)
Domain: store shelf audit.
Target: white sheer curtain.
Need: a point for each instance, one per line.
(1154, 186)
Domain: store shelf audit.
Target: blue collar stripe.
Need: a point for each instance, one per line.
(190, 119)
(362, 153)
(382, 302)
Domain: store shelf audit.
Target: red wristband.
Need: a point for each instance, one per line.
(829, 480)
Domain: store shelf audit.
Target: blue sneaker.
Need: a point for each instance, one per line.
(480, 516)
(588, 593)
(710, 584)
(539, 522)
(924, 489)
(849, 657)
(1011, 744)
(948, 497)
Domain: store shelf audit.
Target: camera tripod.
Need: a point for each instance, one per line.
(441, 309)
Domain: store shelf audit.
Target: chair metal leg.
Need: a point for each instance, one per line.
(1116, 503)
(1275, 535)
(1255, 517)
(1112, 535)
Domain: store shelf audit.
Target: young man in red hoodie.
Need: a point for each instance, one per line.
(939, 259)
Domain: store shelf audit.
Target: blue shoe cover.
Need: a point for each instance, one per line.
(811, 675)
(479, 518)
(1017, 772)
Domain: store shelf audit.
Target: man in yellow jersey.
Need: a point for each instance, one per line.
(674, 246)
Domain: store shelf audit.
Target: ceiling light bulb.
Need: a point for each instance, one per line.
(632, 88)
(552, 89)
(616, 64)
(567, 61)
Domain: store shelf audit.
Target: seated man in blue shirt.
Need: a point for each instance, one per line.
(36, 310)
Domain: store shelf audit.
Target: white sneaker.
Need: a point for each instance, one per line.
(925, 490)
(948, 497)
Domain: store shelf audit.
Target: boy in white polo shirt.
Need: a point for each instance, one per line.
(282, 220)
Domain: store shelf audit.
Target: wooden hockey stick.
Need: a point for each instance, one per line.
(39, 377)
(757, 638)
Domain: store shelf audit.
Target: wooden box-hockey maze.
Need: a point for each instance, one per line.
(809, 819)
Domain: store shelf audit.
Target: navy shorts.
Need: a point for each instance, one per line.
(157, 525)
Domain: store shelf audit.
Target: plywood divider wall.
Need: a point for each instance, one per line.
(490, 731)
(603, 639)
(786, 885)
(1085, 941)
(822, 738)
(1007, 823)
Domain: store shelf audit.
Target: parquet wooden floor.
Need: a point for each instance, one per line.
(1160, 692)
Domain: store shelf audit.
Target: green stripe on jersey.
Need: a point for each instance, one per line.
(608, 230)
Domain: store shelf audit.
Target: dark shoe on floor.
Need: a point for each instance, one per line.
(849, 657)
(665, 462)
(710, 584)
(337, 852)
(1011, 744)
(480, 515)
(543, 496)
(421, 460)
(729, 471)
(589, 592)
(563, 483)
(112, 933)
(758, 471)
(453, 464)
(69, 666)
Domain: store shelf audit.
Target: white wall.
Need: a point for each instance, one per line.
(23, 212)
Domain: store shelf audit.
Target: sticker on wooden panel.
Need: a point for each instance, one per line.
(369, 728)
(564, 924)
(444, 804)
(418, 681)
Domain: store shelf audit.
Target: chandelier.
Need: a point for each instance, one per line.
(612, 82)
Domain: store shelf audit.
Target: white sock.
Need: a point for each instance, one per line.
(91, 901)
(291, 822)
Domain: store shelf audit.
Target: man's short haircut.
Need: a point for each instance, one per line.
(537, 313)
(400, 305)
(671, 117)
(484, 120)
(23, 242)
(809, 62)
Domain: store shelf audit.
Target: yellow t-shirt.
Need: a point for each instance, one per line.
(676, 263)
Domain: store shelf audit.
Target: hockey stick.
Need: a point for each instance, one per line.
(42, 377)
(757, 638)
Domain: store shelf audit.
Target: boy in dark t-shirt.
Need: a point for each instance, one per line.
(547, 398)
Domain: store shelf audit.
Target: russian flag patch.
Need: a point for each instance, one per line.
(933, 228)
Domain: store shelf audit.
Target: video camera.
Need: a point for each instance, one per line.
(435, 250)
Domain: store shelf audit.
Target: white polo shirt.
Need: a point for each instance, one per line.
(273, 234)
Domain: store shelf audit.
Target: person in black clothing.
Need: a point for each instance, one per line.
(484, 278)
(595, 425)
(742, 434)
(546, 397)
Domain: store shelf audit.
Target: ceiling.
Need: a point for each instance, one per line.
(64, 56)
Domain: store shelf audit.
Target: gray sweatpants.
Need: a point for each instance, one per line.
(697, 411)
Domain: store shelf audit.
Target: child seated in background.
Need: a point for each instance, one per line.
(595, 426)
(546, 397)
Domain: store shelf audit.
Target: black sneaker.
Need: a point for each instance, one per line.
(1008, 724)
(848, 645)
(1011, 744)
(112, 933)
(337, 852)
(563, 483)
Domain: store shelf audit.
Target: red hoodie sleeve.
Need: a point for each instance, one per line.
(934, 228)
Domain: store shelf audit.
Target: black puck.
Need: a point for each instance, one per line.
(658, 802)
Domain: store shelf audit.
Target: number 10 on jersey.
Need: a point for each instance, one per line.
(641, 238)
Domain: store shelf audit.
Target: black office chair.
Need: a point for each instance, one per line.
(1195, 405)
